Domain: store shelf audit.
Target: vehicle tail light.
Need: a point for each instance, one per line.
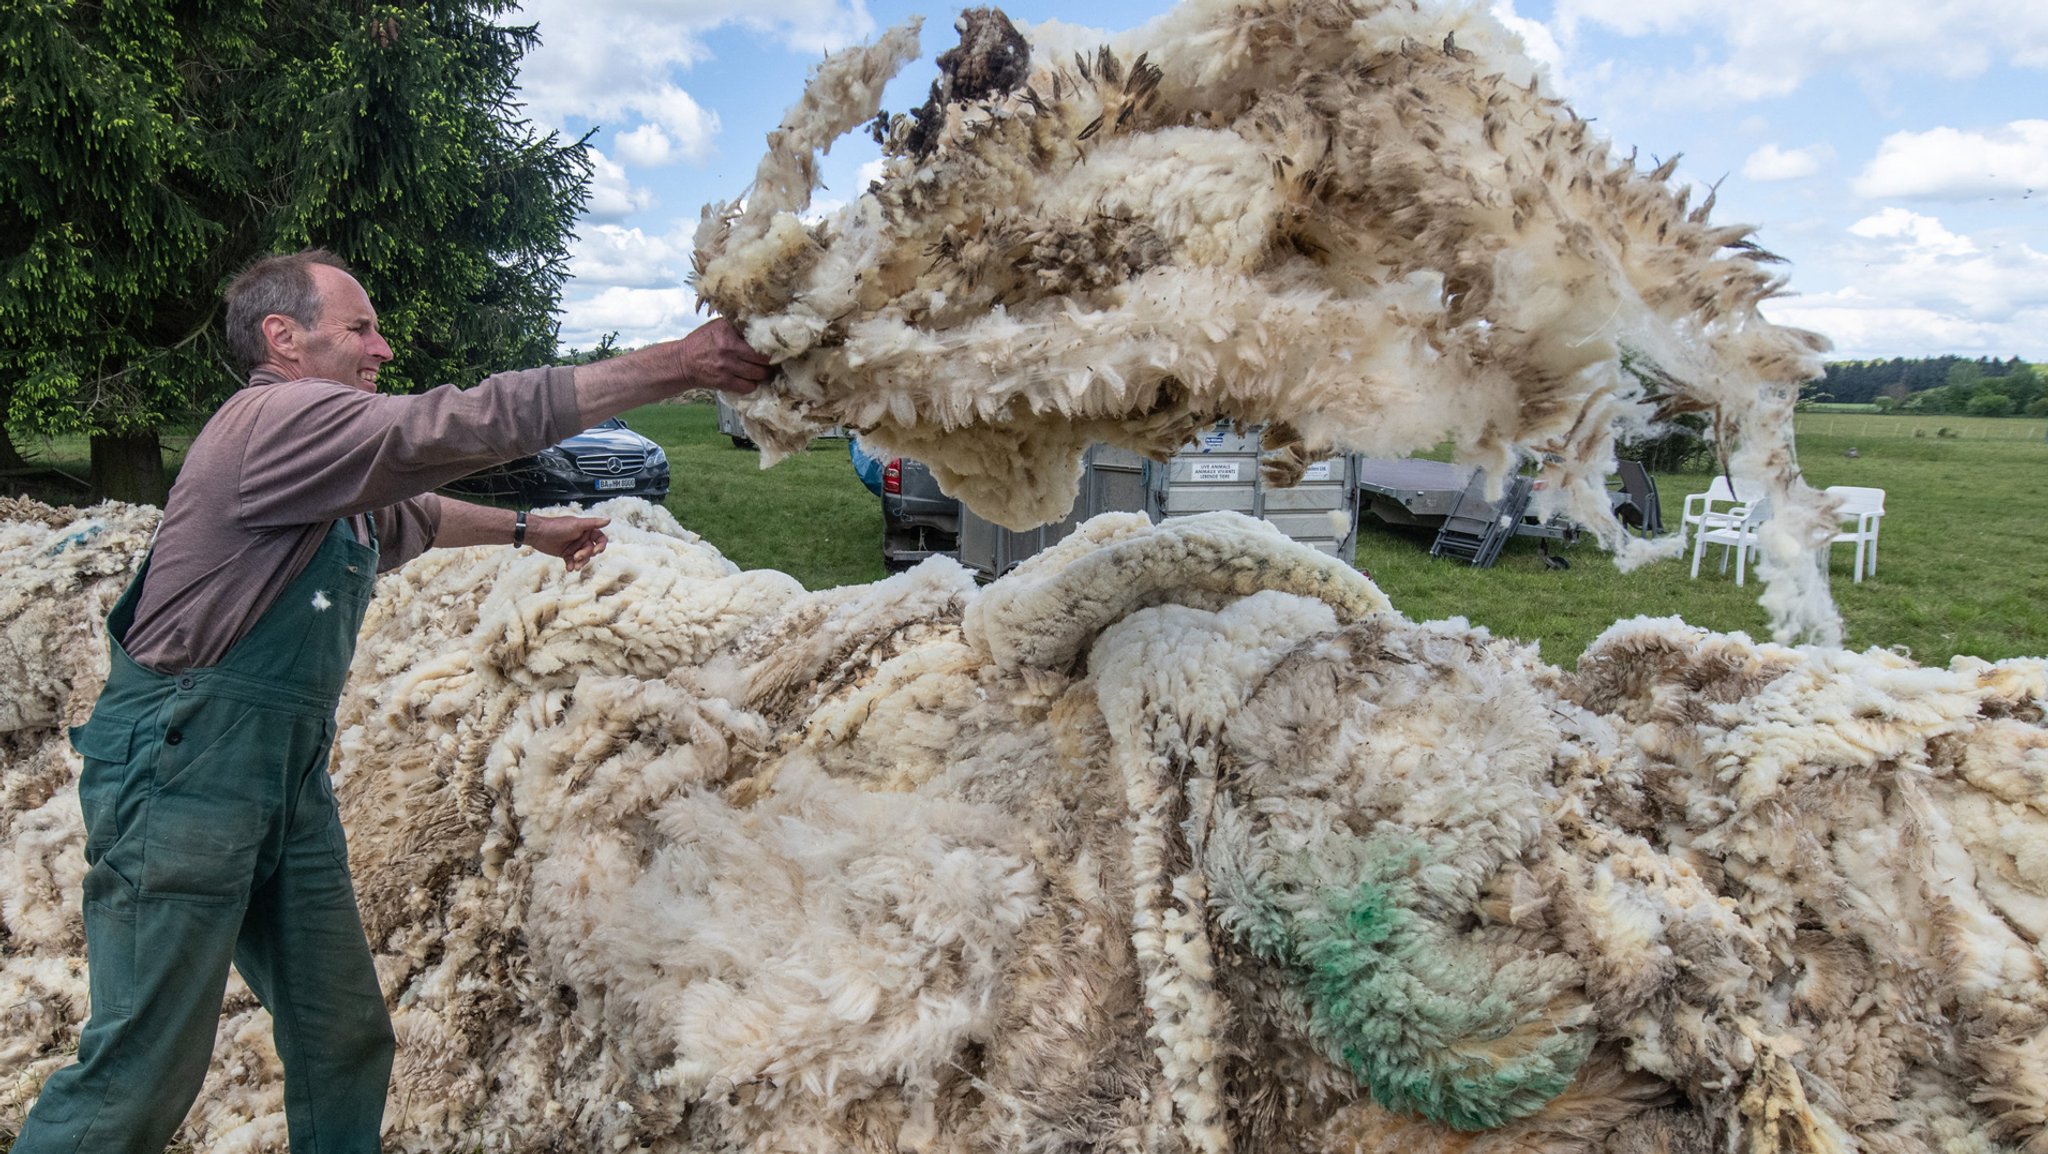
(892, 476)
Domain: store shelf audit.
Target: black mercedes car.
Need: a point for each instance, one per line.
(608, 460)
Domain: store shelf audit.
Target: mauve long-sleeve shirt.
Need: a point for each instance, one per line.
(281, 461)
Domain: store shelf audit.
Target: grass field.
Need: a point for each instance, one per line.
(1963, 562)
(1873, 426)
(808, 516)
(1964, 546)
(1964, 551)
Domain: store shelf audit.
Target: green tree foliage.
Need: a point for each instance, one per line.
(605, 349)
(1988, 404)
(1675, 444)
(1679, 445)
(1982, 396)
(1861, 382)
(148, 150)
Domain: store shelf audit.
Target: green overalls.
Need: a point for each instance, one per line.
(211, 834)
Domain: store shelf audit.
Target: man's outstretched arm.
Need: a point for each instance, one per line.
(574, 539)
(713, 356)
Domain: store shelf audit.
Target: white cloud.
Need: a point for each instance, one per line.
(647, 146)
(680, 118)
(1863, 329)
(1947, 164)
(613, 196)
(1771, 49)
(608, 255)
(1917, 288)
(810, 27)
(1922, 234)
(639, 315)
(1771, 163)
(615, 62)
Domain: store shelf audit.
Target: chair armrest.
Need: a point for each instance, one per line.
(1733, 515)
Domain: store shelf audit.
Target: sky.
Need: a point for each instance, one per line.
(1895, 152)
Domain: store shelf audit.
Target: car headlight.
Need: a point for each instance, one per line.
(556, 463)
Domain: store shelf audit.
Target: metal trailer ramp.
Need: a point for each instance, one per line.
(1477, 528)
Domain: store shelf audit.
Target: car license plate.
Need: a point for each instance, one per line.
(614, 483)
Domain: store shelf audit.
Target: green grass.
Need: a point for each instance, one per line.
(1861, 427)
(1964, 547)
(808, 516)
(1964, 550)
(1963, 555)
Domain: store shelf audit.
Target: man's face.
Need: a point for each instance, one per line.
(343, 343)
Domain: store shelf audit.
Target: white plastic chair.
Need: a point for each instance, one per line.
(1739, 536)
(1863, 508)
(1703, 510)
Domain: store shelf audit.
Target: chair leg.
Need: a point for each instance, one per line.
(1741, 561)
(1859, 562)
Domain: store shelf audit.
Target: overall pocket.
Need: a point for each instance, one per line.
(107, 745)
(316, 813)
(110, 940)
(214, 800)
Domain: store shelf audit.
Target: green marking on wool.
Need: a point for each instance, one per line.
(1412, 1009)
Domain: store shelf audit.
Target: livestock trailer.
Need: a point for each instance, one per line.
(1217, 471)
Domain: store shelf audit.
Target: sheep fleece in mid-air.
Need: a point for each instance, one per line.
(1176, 838)
(1363, 225)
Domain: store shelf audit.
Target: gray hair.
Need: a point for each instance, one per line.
(281, 284)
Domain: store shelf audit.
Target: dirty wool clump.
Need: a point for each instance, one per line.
(1175, 838)
(1365, 225)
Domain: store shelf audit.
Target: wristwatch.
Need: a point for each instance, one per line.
(519, 528)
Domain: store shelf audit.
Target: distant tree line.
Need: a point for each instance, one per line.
(1985, 387)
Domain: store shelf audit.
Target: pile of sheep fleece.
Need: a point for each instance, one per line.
(1363, 225)
(1176, 838)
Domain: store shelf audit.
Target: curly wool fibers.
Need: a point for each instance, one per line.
(1365, 225)
(1177, 837)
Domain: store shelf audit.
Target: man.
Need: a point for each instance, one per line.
(211, 831)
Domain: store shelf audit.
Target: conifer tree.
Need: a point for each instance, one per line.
(150, 149)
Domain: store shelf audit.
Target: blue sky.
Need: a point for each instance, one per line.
(1895, 151)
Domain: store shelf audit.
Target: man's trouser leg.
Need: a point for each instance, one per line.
(159, 966)
(303, 952)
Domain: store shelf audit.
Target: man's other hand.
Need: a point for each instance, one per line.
(716, 356)
(574, 539)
